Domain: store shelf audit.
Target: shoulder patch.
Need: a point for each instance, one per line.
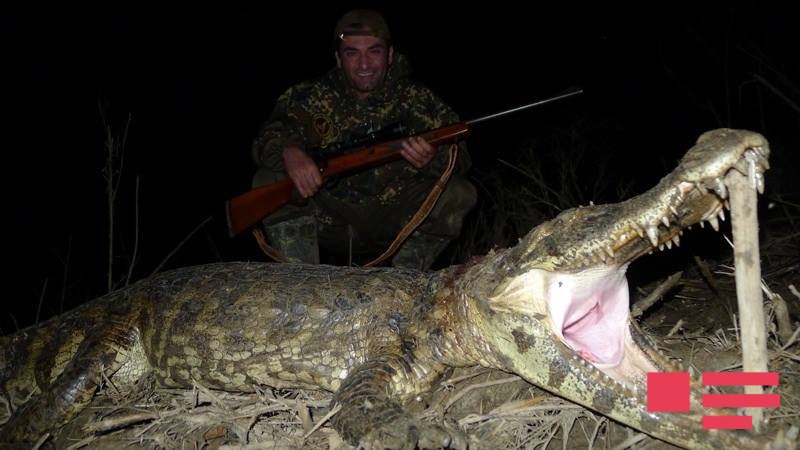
(322, 127)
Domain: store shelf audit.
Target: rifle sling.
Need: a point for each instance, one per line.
(268, 250)
(424, 210)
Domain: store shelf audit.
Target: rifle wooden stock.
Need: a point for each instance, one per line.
(245, 210)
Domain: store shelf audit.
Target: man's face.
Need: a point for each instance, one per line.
(364, 61)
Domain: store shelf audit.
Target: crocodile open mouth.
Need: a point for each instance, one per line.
(573, 267)
(590, 313)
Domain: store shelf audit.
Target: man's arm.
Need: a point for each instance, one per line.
(430, 112)
(417, 151)
(280, 146)
(302, 170)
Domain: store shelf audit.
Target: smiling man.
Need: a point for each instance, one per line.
(368, 90)
(364, 60)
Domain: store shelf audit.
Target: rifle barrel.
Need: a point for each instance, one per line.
(569, 93)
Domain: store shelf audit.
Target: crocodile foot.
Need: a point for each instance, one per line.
(408, 433)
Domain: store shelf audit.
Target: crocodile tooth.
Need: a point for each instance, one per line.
(721, 214)
(665, 221)
(669, 244)
(636, 227)
(702, 224)
(720, 188)
(676, 240)
(610, 251)
(760, 156)
(726, 204)
(714, 223)
(764, 162)
(599, 257)
(674, 211)
(701, 187)
(652, 233)
(760, 182)
(661, 247)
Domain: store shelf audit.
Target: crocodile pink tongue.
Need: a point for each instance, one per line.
(596, 336)
(589, 311)
(594, 325)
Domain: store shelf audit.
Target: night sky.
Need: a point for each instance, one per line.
(198, 80)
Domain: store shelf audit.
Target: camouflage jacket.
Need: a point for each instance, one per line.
(326, 110)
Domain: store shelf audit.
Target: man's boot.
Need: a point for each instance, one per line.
(296, 239)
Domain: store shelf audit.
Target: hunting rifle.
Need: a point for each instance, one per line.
(247, 209)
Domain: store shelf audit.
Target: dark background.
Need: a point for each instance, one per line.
(198, 80)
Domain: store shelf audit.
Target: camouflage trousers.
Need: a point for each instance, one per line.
(365, 228)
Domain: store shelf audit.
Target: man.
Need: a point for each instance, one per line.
(361, 214)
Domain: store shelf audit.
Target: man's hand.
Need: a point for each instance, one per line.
(417, 151)
(302, 170)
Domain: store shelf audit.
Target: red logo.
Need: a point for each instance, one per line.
(669, 392)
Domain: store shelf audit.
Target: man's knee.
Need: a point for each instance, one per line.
(457, 200)
(459, 195)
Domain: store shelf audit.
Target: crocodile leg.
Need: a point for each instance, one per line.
(104, 351)
(372, 418)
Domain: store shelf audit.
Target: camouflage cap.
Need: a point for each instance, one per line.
(362, 22)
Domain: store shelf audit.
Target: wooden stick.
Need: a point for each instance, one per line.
(119, 422)
(744, 222)
(643, 305)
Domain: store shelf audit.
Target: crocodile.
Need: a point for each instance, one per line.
(553, 309)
